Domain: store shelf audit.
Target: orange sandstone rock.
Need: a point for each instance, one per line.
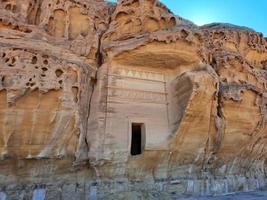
(86, 85)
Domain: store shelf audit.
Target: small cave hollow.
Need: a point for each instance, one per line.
(75, 91)
(59, 73)
(34, 60)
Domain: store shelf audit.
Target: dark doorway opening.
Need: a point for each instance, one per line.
(137, 144)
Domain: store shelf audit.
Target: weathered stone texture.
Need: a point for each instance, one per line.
(76, 75)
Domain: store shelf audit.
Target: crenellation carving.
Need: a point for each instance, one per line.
(138, 74)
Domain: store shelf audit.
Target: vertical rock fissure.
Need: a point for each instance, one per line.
(99, 63)
(219, 120)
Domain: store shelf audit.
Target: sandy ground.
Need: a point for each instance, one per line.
(262, 195)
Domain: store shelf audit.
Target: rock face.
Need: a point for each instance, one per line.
(100, 100)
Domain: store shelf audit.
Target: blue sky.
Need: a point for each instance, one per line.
(250, 13)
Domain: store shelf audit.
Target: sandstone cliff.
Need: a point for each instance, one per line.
(76, 77)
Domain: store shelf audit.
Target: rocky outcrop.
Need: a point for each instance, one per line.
(130, 94)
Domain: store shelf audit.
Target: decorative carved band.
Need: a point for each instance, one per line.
(137, 95)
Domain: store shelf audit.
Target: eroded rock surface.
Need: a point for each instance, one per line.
(86, 85)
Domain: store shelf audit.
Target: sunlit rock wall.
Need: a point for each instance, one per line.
(76, 76)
